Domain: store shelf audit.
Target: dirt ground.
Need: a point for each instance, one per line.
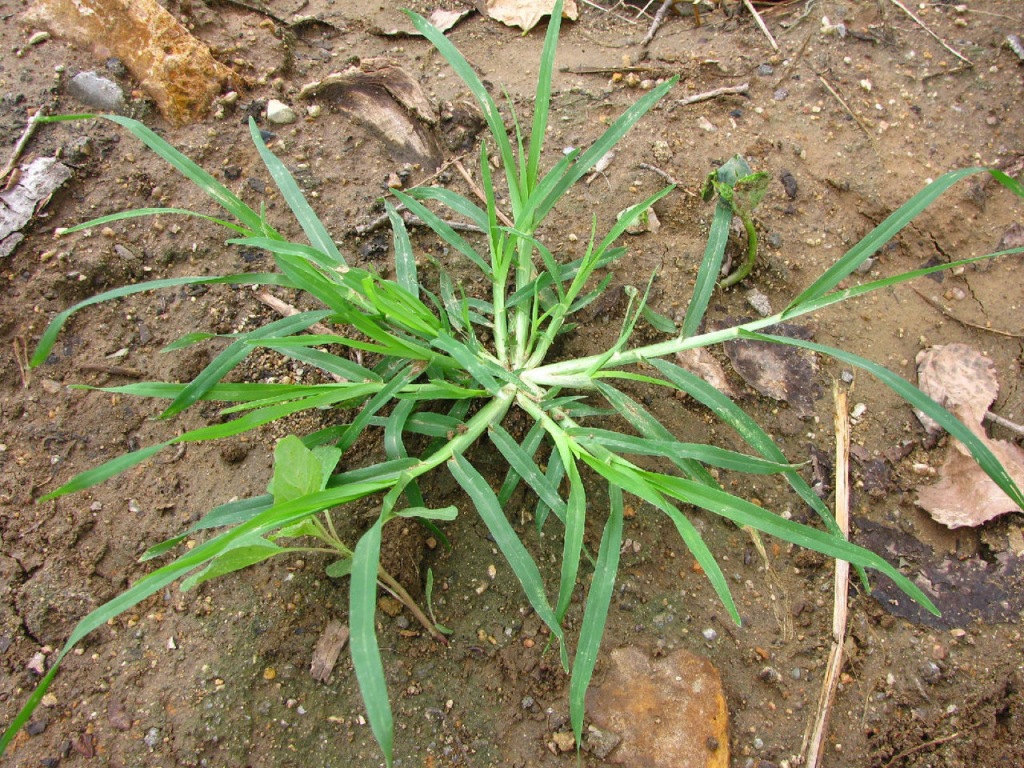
(220, 676)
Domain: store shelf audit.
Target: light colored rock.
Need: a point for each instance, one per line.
(280, 113)
(97, 92)
(669, 712)
(177, 70)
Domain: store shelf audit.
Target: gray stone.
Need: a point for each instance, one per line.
(97, 91)
(280, 113)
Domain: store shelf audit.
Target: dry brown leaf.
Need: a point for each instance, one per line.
(701, 362)
(964, 381)
(440, 18)
(964, 494)
(527, 13)
(959, 378)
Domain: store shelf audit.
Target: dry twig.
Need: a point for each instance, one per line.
(659, 19)
(814, 744)
(842, 101)
(923, 26)
(479, 192)
(30, 128)
(760, 23)
(727, 90)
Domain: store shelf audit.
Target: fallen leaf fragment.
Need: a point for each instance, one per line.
(779, 371)
(327, 650)
(957, 377)
(527, 13)
(963, 380)
(701, 362)
(385, 98)
(440, 18)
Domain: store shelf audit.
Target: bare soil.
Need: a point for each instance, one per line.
(220, 676)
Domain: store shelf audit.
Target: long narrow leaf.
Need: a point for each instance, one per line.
(919, 400)
(710, 267)
(508, 542)
(366, 659)
(595, 612)
(521, 461)
(318, 235)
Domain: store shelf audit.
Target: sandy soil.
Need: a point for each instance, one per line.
(219, 676)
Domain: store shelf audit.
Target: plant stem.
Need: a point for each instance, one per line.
(744, 268)
(391, 585)
(577, 373)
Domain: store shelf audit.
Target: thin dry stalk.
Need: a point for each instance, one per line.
(760, 23)
(967, 323)
(814, 744)
(923, 26)
(21, 358)
(842, 101)
(26, 135)
(480, 193)
(659, 19)
(727, 90)
(285, 309)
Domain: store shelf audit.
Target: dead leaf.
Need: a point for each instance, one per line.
(527, 13)
(778, 371)
(958, 378)
(701, 362)
(327, 650)
(964, 381)
(440, 18)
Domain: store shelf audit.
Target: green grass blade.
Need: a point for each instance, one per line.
(595, 613)
(137, 212)
(459, 204)
(881, 235)
(318, 235)
(105, 471)
(405, 259)
(919, 400)
(674, 450)
(49, 337)
(521, 462)
(575, 526)
(234, 354)
(748, 429)
(189, 169)
(363, 641)
(633, 480)
(710, 267)
(648, 426)
(386, 394)
(555, 473)
(743, 512)
(528, 448)
(542, 98)
(508, 542)
(599, 148)
(443, 230)
(483, 99)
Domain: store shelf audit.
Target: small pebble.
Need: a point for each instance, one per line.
(152, 737)
(280, 113)
(766, 70)
(527, 702)
(710, 634)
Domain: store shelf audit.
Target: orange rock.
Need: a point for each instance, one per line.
(669, 712)
(177, 71)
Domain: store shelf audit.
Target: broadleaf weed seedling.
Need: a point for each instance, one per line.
(428, 372)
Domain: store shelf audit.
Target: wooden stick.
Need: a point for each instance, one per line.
(727, 90)
(814, 745)
(285, 309)
(480, 193)
(30, 128)
(659, 18)
(837, 97)
(760, 22)
(941, 42)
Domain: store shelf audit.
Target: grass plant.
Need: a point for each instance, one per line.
(450, 367)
